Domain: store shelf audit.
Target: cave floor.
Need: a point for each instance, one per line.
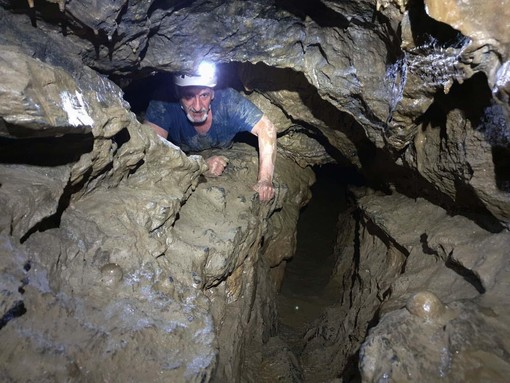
(303, 295)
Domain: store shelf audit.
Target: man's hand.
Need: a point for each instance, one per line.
(217, 165)
(265, 190)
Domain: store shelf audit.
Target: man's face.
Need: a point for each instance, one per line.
(196, 102)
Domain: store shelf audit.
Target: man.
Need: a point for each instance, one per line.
(205, 118)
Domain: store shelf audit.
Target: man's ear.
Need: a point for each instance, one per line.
(212, 95)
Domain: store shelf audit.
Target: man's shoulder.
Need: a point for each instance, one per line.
(235, 111)
(167, 103)
(229, 98)
(163, 106)
(164, 113)
(227, 93)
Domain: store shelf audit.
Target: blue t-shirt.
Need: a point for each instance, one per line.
(231, 114)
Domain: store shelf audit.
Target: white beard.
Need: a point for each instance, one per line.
(197, 120)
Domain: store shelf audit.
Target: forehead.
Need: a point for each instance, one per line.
(190, 91)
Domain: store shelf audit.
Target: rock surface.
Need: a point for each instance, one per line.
(122, 261)
(426, 289)
(107, 273)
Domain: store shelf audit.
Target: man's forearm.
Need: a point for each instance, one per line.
(266, 133)
(157, 129)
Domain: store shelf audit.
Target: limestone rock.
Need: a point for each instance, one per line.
(402, 249)
(116, 246)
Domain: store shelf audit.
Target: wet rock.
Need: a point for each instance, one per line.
(451, 350)
(373, 85)
(411, 254)
(425, 305)
(29, 195)
(111, 274)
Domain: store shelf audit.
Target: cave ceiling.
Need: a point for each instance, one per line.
(352, 52)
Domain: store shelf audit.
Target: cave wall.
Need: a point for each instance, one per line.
(121, 261)
(421, 299)
(376, 72)
(102, 223)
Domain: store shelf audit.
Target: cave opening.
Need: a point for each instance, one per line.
(142, 87)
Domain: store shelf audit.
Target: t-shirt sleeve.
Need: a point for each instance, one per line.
(244, 114)
(157, 114)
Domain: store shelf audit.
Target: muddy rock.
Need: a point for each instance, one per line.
(122, 261)
(414, 270)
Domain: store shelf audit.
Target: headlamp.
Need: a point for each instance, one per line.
(206, 69)
(206, 76)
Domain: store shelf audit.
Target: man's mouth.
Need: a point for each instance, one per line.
(197, 116)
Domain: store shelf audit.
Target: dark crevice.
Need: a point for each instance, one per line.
(45, 151)
(27, 266)
(17, 310)
(166, 5)
(357, 253)
(501, 159)
(316, 10)
(306, 292)
(468, 275)
(351, 372)
(48, 11)
(121, 138)
(309, 271)
(496, 130)
(139, 91)
(425, 245)
(426, 29)
(376, 231)
(137, 166)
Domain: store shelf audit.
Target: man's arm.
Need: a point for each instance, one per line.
(157, 129)
(266, 133)
(216, 164)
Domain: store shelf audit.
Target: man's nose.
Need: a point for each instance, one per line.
(196, 103)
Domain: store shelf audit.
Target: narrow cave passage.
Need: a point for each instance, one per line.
(304, 293)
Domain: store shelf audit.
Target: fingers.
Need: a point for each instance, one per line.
(265, 190)
(266, 195)
(216, 165)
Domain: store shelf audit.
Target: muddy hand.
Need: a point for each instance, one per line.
(216, 165)
(265, 190)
